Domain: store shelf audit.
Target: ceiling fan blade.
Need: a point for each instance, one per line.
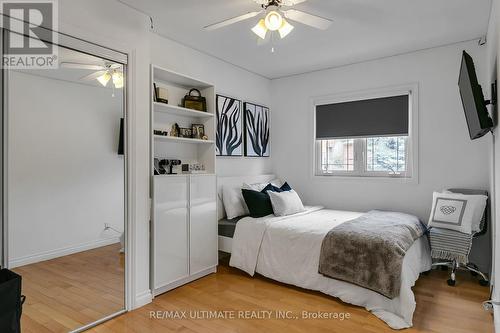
(231, 21)
(308, 19)
(77, 65)
(115, 66)
(93, 76)
(291, 2)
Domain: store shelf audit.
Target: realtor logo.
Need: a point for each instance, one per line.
(30, 34)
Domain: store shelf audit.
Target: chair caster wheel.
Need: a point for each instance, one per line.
(451, 282)
(444, 268)
(483, 282)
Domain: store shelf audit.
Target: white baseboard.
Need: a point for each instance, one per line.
(52, 254)
(143, 298)
(496, 317)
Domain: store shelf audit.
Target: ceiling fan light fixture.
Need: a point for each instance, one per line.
(285, 29)
(260, 29)
(104, 79)
(273, 20)
(118, 80)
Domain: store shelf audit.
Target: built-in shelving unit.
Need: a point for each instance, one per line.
(184, 208)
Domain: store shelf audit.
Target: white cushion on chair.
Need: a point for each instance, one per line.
(458, 212)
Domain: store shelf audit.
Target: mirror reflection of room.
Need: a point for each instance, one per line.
(66, 191)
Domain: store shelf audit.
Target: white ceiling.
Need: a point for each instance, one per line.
(361, 30)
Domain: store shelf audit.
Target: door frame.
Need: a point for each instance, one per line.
(80, 45)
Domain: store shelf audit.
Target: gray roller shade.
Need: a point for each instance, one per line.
(387, 116)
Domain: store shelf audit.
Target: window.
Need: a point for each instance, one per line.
(365, 137)
(375, 156)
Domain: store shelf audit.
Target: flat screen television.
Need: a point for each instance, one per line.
(476, 113)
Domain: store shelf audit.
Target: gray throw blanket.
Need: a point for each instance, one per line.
(369, 250)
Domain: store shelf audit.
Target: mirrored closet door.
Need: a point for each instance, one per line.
(65, 187)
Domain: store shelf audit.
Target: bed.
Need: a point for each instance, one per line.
(287, 249)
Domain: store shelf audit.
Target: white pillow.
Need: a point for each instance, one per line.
(456, 211)
(260, 186)
(285, 203)
(234, 204)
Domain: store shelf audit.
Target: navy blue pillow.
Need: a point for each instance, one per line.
(271, 187)
(258, 203)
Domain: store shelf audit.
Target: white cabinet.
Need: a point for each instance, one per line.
(203, 223)
(170, 230)
(184, 230)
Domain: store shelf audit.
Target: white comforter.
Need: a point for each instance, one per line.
(287, 249)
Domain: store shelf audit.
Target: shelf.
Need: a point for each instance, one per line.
(166, 75)
(181, 140)
(180, 111)
(185, 174)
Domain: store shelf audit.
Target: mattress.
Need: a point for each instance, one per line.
(227, 227)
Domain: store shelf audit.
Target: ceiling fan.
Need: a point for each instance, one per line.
(275, 18)
(103, 73)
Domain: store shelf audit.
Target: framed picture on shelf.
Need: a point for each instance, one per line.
(185, 132)
(256, 130)
(198, 131)
(229, 129)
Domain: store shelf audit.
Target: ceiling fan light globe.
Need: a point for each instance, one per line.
(285, 29)
(260, 29)
(104, 79)
(118, 80)
(273, 20)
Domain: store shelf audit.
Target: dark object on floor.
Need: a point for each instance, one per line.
(455, 260)
(11, 302)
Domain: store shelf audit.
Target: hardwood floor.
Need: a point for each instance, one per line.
(65, 293)
(440, 308)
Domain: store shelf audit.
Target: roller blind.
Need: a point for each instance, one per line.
(386, 116)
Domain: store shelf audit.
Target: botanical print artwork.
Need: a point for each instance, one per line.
(256, 130)
(229, 136)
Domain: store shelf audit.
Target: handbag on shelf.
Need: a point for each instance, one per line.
(194, 102)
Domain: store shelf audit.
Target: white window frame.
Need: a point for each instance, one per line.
(360, 172)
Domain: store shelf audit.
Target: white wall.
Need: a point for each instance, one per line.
(65, 176)
(492, 73)
(228, 80)
(447, 157)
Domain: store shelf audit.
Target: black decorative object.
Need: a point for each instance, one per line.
(229, 136)
(11, 302)
(121, 140)
(166, 166)
(256, 130)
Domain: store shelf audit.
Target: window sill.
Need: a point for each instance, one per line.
(379, 179)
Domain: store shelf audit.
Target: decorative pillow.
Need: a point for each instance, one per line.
(286, 203)
(458, 212)
(273, 188)
(258, 203)
(234, 204)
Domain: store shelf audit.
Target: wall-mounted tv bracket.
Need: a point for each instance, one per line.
(493, 100)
